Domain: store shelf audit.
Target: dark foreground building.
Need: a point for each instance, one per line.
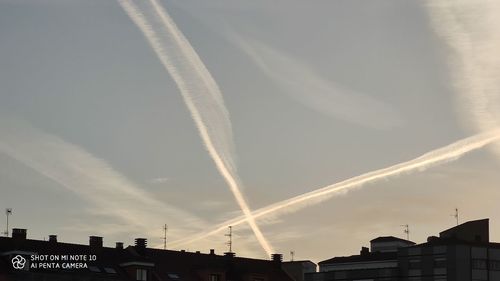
(298, 269)
(34, 260)
(461, 253)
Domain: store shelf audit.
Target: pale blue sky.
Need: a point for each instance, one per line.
(81, 71)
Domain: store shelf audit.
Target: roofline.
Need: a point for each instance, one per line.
(393, 239)
(447, 242)
(358, 262)
(465, 223)
(302, 261)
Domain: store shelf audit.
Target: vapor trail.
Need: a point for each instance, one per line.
(135, 212)
(471, 28)
(305, 85)
(200, 93)
(435, 157)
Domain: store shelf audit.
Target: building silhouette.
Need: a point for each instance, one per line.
(136, 263)
(298, 269)
(461, 253)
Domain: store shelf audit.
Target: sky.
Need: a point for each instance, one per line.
(96, 139)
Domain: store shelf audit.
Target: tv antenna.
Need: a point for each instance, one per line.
(292, 254)
(230, 242)
(165, 229)
(456, 215)
(8, 212)
(407, 231)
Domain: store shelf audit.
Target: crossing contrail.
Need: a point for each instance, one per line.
(433, 158)
(471, 29)
(201, 95)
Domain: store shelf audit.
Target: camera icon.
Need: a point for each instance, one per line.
(18, 262)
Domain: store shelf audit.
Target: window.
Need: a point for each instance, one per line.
(386, 272)
(141, 275)
(414, 251)
(478, 264)
(214, 277)
(495, 265)
(414, 264)
(439, 262)
(439, 249)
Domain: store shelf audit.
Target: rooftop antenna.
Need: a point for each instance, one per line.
(230, 242)
(407, 231)
(8, 212)
(165, 228)
(456, 215)
(292, 254)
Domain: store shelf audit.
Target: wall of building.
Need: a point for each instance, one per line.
(358, 265)
(298, 269)
(389, 246)
(472, 231)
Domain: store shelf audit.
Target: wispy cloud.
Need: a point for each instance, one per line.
(309, 88)
(471, 29)
(109, 193)
(159, 180)
(200, 91)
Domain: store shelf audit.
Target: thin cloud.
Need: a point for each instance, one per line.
(159, 180)
(471, 29)
(108, 192)
(309, 88)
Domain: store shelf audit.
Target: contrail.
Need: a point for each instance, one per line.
(91, 178)
(309, 88)
(433, 158)
(471, 28)
(201, 96)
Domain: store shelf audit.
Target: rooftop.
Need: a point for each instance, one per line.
(376, 256)
(115, 263)
(390, 239)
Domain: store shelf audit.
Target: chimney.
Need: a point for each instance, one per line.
(19, 233)
(229, 254)
(212, 251)
(364, 251)
(432, 238)
(95, 242)
(277, 258)
(53, 238)
(119, 245)
(140, 245)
